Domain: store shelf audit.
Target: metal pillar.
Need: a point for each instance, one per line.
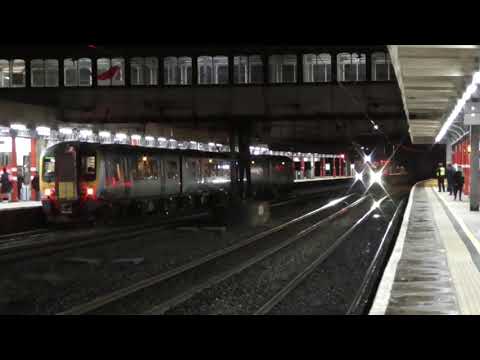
(449, 152)
(233, 164)
(302, 168)
(33, 166)
(474, 158)
(13, 169)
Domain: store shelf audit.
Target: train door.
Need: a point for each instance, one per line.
(171, 166)
(66, 173)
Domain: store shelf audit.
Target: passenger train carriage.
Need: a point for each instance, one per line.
(86, 181)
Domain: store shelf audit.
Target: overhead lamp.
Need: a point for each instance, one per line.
(65, 130)
(18, 127)
(43, 130)
(211, 144)
(136, 137)
(367, 158)
(375, 127)
(104, 134)
(86, 132)
(219, 144)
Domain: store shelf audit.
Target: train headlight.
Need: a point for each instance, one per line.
(90, 191)
(377, 177)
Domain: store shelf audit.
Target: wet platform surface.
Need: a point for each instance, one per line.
(434, 268)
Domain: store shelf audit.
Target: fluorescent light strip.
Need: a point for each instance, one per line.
(459, 106)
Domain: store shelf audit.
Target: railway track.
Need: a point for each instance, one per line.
(15, 246)
(15, 249)
(304, 274)
(363, 298)
(179, 284)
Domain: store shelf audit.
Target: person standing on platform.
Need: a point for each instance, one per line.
(458, 181)
(6, 185)
(441, 177)
(20, 185)
(450, 172)
(36, 187)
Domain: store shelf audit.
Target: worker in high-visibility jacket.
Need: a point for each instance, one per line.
(440, 173)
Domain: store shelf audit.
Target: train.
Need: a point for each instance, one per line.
(90, 181)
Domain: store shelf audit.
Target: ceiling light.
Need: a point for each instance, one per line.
(43, 130)
(65, 131)
(19, 127)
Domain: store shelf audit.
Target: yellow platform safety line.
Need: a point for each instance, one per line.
(429, 183)
(464, 227)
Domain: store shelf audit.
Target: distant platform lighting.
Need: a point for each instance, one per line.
(86, 132)
(104, 134)
(220, 145)
(43, 130)
(162, 139)
(120, 136)
(375, 127)
(136, 137)
(367, 158)
(342, 156)
(149, 138)
(18, 127)
(211, 144)
(65, 131)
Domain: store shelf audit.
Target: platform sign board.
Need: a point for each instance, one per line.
(472, 119)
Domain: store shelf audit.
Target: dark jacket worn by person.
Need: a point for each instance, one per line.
(5, 182)
(458, 179)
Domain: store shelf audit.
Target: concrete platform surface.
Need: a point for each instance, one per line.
(435, 265)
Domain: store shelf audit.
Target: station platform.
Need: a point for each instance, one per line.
(6, 206)
(434, 268)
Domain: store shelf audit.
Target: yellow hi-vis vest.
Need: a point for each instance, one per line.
(441, 171)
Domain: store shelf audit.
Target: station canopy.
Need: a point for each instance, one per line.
(432, 78)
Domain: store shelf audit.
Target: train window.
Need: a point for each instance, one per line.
(88, 171)
(144, 71)
(172, 170)
(247, 69)
(77, 72)
(317, 68)
(212, 69)
(351, 67)
(147, 168)
(110, 72)
(48, 168)
(282, 69)
(382, 69)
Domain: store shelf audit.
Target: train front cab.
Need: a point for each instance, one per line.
(68, 182)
